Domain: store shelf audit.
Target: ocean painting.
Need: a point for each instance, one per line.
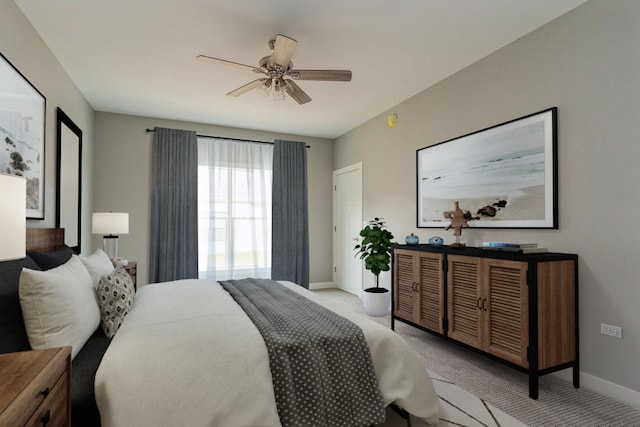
(22, 118)
(502, 177)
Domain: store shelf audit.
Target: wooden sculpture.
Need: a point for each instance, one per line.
(457, 222)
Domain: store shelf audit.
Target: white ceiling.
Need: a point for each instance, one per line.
(138, 56)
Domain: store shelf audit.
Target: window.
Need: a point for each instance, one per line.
(234, 209)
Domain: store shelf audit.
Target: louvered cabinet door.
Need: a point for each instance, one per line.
(404, 282)
(464, 309)
(430, 291)
(506, 316)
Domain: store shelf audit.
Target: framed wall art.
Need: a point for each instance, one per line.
(22, 131)
(69, 186)
(505, 176)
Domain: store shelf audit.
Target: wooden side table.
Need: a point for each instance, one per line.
(132, 269)
(36, 388)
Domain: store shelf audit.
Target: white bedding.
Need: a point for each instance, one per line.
(187, 355)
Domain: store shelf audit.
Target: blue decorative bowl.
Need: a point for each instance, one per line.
(436, 241)
(412, 239)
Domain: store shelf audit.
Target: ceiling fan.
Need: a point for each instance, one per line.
(279, 72)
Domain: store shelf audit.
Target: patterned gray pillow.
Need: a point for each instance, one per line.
(115, 297)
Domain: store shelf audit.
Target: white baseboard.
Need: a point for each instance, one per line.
(321, 285)
(606, 388)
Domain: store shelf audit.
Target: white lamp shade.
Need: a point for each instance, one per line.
(113, 223)
(13, 217)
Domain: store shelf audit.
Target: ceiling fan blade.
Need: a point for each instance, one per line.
(283, 51)
(325, 75)
(225, 62)
(296, 93)
(246, 88)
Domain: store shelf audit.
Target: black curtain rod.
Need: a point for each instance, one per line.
(222, 137)
(231, 139)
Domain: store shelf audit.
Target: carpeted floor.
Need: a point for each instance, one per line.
(505, 388)
(458, 408)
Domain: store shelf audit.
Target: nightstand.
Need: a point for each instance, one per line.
(132, 269)
(36, 388)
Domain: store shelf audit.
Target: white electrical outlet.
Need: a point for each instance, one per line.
(614, 331)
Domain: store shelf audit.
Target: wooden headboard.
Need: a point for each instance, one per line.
(44, 239)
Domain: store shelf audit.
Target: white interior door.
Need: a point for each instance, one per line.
(347, 223)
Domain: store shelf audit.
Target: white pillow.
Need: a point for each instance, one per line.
(98, 264)
(59, 306)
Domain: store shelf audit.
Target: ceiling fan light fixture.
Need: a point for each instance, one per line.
(278, 90)
(279, 74)
(265, 89)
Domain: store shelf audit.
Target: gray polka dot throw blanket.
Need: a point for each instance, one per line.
(321, 365)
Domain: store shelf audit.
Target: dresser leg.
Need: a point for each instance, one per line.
(533, 385)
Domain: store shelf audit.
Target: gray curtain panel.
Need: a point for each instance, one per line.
(290, 230)
(174, 206)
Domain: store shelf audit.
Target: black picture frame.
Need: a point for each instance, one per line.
(22, 134)
(504, 176)
(69, 180)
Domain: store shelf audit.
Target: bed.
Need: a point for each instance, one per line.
(187, 354)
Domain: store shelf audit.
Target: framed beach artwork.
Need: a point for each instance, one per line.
(22, 128)
(505, 176)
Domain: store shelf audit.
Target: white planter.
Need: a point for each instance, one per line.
(376, 304)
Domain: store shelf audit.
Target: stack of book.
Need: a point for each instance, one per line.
(523, 248)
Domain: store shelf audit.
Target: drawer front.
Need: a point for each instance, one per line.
(53, 411)
(41, 387)
(37, 390)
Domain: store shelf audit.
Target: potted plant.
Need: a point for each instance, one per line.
(375, 250)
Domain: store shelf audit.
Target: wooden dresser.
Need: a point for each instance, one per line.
(35, 389)
(518, 309)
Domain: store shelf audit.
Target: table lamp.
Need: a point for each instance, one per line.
(110, 225)
(13, 217)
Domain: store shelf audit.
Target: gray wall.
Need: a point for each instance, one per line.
(122, 176)
(24, 48)
(587, 63)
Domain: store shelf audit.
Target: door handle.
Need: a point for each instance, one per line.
(484, 304)
(478, 303)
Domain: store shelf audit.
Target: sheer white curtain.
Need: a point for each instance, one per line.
(234, 209)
